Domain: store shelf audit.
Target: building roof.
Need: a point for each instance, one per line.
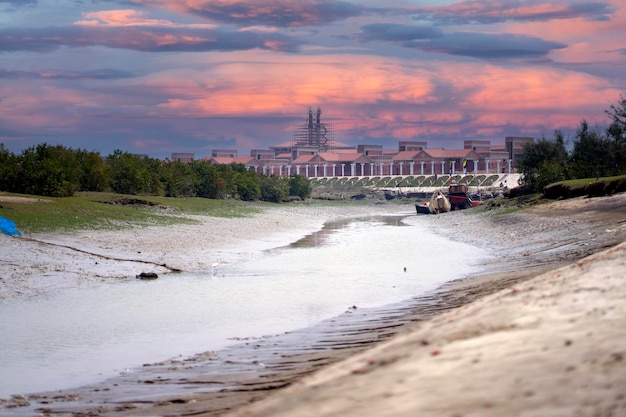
(405, 155)
(347, 157)
(227, 160)
(303, 159)
(448, 153)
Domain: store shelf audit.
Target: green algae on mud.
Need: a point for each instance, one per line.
(107, 211)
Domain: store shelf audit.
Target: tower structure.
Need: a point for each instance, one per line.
(314, 133)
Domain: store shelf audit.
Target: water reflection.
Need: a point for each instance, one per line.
(322, 236)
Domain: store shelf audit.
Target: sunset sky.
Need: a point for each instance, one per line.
(163, 76)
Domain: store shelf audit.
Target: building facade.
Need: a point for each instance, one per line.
(411, 158)
(313, 152)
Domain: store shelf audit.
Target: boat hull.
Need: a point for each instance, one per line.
(422, 208)
(460, 202)
(459, 197)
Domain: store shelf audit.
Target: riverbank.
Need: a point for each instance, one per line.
(524, 244)
(548, 344)
(34, 263)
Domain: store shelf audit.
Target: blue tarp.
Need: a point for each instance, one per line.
(8, 227)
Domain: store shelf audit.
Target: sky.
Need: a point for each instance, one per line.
(161, 76)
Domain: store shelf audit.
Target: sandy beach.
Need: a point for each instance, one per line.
(539, 333)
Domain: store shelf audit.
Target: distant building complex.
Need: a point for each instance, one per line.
(313, 152)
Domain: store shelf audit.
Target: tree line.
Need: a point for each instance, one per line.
(58, 171)
(595, 153)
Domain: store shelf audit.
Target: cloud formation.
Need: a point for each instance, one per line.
(470, 44)
(394, 32)
(19, 2)
(497, 11)
(278, 13)
(487, 46)
(142, 38)
(102, 74)
(126, 18)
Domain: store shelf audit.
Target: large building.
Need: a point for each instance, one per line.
(313, 152)
(182, 157)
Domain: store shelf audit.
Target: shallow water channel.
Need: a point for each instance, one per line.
(73, 337)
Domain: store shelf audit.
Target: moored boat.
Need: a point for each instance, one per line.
(439, 203)
(422, 208)
(460, 198)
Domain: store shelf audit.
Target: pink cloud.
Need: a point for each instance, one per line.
(292, 82)
(383, 99)
(389, 99)
(121, 18)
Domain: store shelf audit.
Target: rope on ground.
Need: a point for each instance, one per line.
(110, 258)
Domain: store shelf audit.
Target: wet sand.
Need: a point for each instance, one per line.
(346, 365)
(32, 264)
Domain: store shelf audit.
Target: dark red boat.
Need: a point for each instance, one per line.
(460, 198)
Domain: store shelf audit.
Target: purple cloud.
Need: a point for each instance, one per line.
(397, 32)
(103, 74)
(495, 11)
(145, 39)
(487, 46)
(294, 13)
(476, 45)
(19, 2)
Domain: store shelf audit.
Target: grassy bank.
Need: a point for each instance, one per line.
(105, 211)
(108, 211)
(586, 187)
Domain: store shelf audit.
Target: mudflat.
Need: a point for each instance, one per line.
(539, 333)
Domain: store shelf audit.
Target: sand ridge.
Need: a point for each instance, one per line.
(551, 346)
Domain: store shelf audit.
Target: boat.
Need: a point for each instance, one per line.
(439, 203)
(460, 197)
(422, 208)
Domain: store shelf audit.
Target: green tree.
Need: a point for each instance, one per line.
(153, 169)
(129, 173)
(547, 158)
(179, 179)
(8, 168)
(618, 119)
(299, 186)
(591, 154)
(93, 172)
(248, 185)
(48, 170)
(209, 184)
(617, 137)
(228, 175)
(549, 172)
(274, 189)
